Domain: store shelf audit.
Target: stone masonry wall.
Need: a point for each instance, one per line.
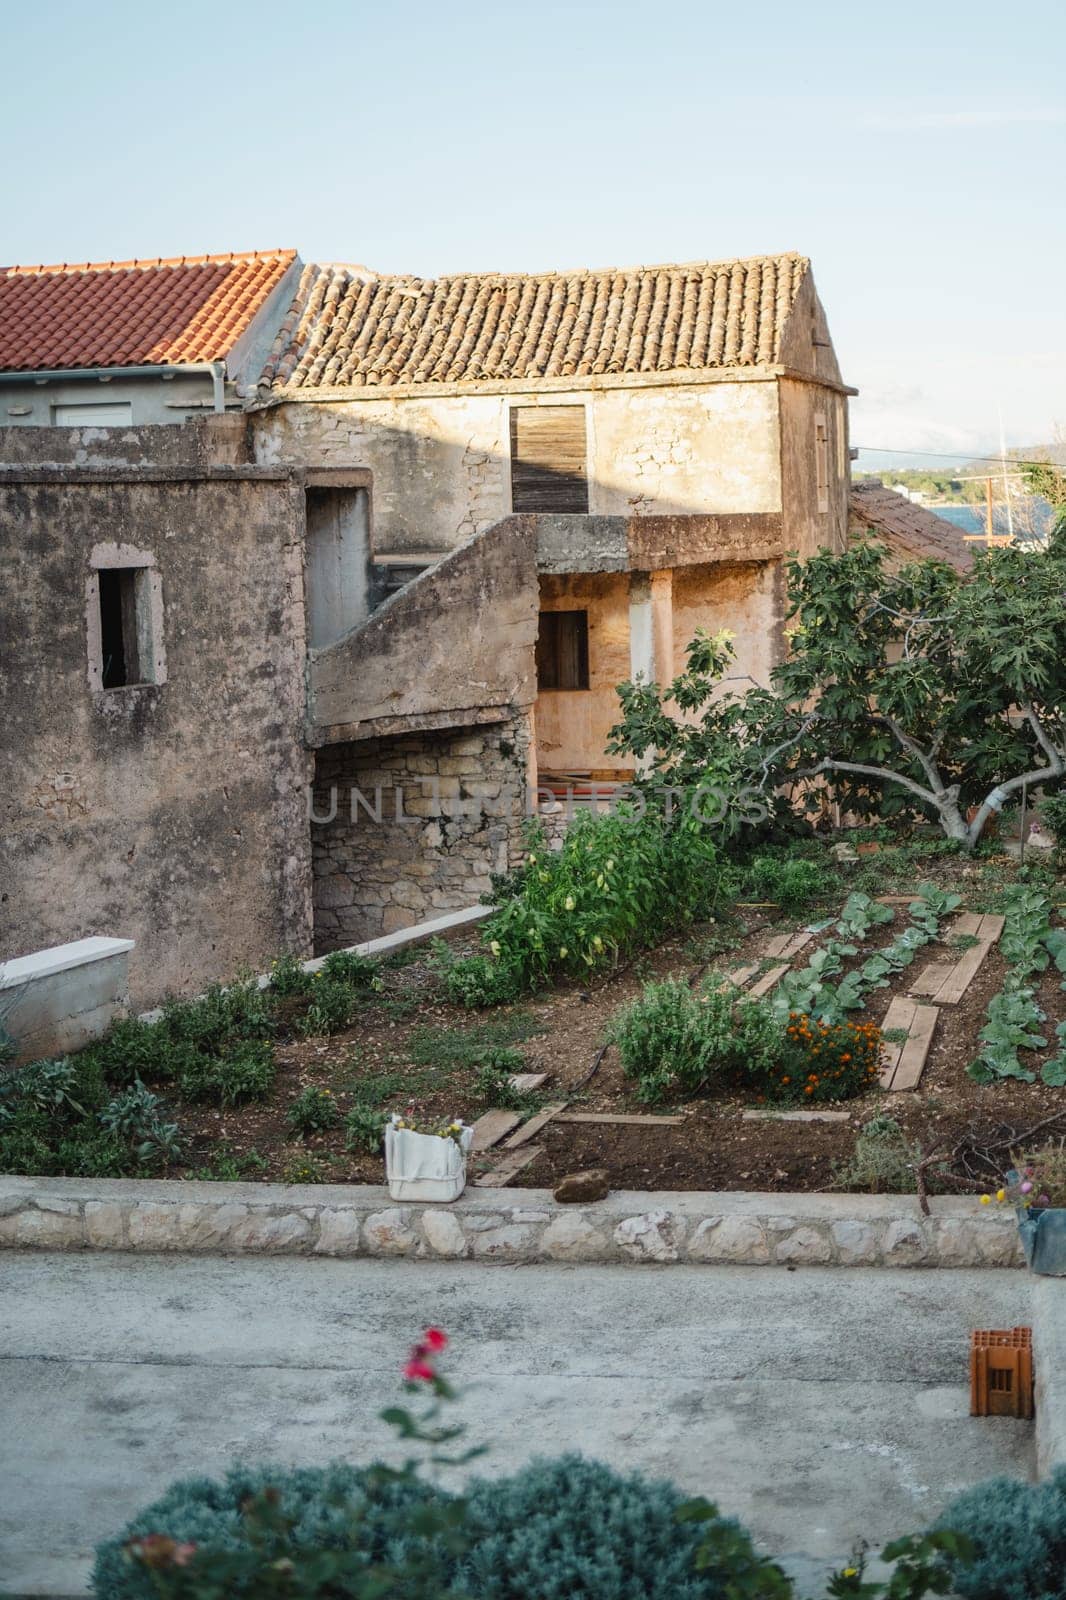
(461, 795)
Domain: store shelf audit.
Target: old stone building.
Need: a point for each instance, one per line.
(454, 516)
(565, 476)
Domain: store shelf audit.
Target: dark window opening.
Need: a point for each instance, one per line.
(563, 650)
(549, 465)
(123, 658)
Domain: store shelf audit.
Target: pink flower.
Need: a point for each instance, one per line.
(434, 1339)
(417, 1369)
(1026, 1187)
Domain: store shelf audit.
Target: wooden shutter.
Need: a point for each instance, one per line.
(549, 459)
(563, 650)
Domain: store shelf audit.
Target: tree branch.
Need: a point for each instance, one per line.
(1054, 756)
(883, 773)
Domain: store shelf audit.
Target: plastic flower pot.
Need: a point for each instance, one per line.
(1043, 1235)
(425, 1166)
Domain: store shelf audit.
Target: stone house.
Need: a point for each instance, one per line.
(565, 476)
(123, 343)
(452, 517)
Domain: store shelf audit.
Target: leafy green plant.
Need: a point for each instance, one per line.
(220, 1017)
(883, 1161)
(348, 966)
(136, 1118)
(790, 881)
(133, 1051)
(304, 1168)
(288, 979)
(246, 1072)
(330, 1009)
(477, 981)
(672, 1039)
(819, 1061)
(48, 1087)
(1028, 944)
(230, 1166)
(364, 1129)
(313, 1111)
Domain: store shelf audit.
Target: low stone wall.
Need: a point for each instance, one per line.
(512, 1226)
(60, 999)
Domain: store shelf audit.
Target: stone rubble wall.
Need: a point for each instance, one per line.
(464, 798)
(510, 1226)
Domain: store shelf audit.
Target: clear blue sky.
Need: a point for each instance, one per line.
(916, 152)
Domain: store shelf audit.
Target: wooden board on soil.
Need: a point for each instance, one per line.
(903, 1062)
(512, 1164)
(491, 1128)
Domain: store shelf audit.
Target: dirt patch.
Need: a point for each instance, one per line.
(389, 1058)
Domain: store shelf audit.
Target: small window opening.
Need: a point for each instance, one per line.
(563, 650)
(125, 627)
(821, 461)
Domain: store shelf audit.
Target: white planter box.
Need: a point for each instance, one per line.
(423, 1166)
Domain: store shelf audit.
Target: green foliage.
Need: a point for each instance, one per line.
(1054, 811)
(331, 1008)
(348, 966)
(304, 1168)
(922, 1564)
(882, 1162)
(574, 1529)
(492, 1081)
(900, 690)
(258, 1516)
(1028, 943)
(364, 1129)
(230, 1166)
(1018, 1534)
(617, 885)
(463, 1047)
(136, 1118)
(288, 979)
(245, 1073)
(791, 881)
(133, 1051)
(476, 981)
(313, 1111)
(220, 1017)
(671, 1039)
(820, 1061)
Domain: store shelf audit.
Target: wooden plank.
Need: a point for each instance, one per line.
(526, 1082)
(991, 927)
(491, 1128)
(795, 1116)
(742, 975)
(931, 978)
(912, 1059)
(769, 979)
(533, 1126)
(962, 975)
(629, 1121)
(789, 944)
(969, 923)
(900, 1014)
(508, 1168)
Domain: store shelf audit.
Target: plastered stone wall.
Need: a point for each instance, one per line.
(171, 813)
(451, 805)
(441, 464)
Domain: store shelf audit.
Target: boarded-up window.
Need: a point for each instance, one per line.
(563, 650)
(821, 461)
(549, 459)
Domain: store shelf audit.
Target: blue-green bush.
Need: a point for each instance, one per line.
(1019, 1534)
(564, 1529)
(573, 1529)
(327, 1508)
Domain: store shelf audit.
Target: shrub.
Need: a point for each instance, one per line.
(820, 1061)
(475, 981)
(672, 1038)
(220, 1016)
(347, 966)
(1018, 1531)
(617, 884)
(331, 1009)
(132, 1051)
(136, 1117)
(574, 1529)
(338, 1508)
(288, 980)
(494, 1069)
(245, 1073)
(1053, 809)
(790, 881)
(312, 1111)
(364, 1129)
(882, 1162)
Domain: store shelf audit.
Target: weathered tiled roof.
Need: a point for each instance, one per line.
(910, 531)
(132, 313)
(350, 328)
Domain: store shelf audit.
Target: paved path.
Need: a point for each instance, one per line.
(818, 1405)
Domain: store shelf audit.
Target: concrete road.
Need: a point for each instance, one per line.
(819, 1406)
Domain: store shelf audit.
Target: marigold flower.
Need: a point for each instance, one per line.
(1001, 1194)
(986, 1199)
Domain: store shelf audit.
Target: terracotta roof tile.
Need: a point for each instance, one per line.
(350, 328)
(911, 532)
(133, 313)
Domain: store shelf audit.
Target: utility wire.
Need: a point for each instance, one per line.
(941, 455)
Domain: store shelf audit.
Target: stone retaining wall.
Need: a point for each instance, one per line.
(512, 1226)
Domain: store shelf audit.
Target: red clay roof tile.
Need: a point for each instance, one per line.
(133, 313)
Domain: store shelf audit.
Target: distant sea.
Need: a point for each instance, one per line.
(971, 519)
(968, 518)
